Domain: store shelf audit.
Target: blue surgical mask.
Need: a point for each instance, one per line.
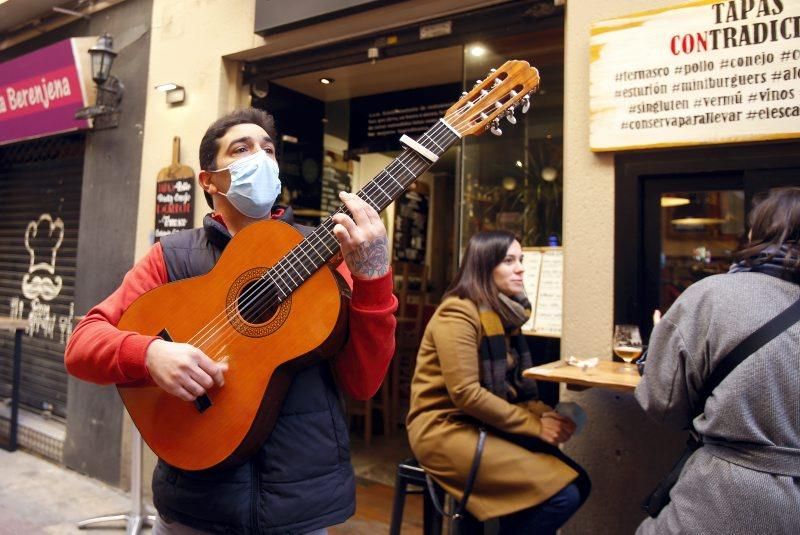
(254, 184)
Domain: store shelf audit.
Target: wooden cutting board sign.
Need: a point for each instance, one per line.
(174, 195)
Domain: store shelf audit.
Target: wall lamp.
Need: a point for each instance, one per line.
(175, 93)
(105, 112)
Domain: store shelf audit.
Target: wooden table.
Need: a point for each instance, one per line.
(607, 374)
(18, 326)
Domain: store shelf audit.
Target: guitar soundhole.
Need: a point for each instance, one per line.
(257, 302)
(252, 305)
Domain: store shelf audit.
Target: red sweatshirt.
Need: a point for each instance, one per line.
(100, 353)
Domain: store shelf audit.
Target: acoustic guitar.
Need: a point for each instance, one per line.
(272, 304)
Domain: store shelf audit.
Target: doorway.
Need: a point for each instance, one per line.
(681, 216)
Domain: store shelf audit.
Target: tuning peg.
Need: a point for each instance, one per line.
(492, 71)
(495, 128)
(526, 103)
(464, 93)
(497, 81)
(510, 116)
(478, 81)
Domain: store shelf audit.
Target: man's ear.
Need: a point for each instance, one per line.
(205, 182)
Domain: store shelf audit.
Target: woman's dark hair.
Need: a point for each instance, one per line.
(485, 251)
(209, 145)
(774, 224)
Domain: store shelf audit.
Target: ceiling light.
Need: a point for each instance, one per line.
(697, 221)
(669, 202)
(549, 173)
(326, 81)
(477, 51)
(519, 164)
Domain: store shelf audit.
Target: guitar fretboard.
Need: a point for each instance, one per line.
(321, 245)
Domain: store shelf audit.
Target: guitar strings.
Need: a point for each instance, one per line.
(265, 296)
(257, 290)
(261, 288)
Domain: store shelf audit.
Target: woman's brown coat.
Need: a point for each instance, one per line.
(447, 402)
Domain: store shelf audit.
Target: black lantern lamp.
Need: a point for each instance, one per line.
(102, 54)
(105, 112)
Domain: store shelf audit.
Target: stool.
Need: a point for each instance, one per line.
(409, 472)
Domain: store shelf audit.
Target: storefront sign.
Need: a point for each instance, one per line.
(40, 91)
(378, 121)
(697, 73)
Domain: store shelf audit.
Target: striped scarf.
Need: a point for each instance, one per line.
(497, 374)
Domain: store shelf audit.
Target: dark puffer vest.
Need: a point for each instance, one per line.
(301, 479)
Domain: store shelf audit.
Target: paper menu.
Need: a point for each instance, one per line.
(543, 279)
(532, 262)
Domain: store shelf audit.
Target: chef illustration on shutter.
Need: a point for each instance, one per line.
(41, 284)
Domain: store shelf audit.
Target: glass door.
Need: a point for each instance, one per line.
(693, 225)
(515, 181)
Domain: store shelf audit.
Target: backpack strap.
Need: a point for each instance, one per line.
(747, 347)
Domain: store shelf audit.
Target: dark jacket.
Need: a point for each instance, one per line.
(301, 479)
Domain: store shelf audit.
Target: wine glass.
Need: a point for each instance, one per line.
(627, 344)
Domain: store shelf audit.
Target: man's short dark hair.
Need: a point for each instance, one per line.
(209, 146)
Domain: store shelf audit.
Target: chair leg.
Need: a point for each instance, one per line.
(397, 506)
(395, 389)
(432, 520)
(387, 409)
(368, 422)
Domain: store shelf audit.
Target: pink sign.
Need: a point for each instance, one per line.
(40, 93)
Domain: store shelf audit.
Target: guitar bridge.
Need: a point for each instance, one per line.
(202, 403)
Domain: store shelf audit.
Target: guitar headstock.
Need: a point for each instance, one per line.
(493, 98)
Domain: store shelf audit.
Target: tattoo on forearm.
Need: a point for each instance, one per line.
(371, 259)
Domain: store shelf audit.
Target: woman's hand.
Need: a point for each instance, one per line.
(556, 428)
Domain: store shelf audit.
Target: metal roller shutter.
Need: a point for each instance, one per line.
(40, 185)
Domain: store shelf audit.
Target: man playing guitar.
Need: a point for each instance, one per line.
(301, 479)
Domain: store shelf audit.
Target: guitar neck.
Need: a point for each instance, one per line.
(321, 245)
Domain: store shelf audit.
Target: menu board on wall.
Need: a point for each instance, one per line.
(174, 206)
(543, 280)
(411, 227)
(336, 176)
(701, 72)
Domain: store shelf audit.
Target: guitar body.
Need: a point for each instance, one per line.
(263, 353)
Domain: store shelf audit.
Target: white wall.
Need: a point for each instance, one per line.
(188, 42)
(623, 451)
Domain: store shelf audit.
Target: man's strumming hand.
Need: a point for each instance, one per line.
(183, 370)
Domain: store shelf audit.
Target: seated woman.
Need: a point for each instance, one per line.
(468, 375)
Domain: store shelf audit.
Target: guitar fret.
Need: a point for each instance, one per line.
(394, 179)
(296, 260)
(389, 197)
(275, 284)
(432, 140)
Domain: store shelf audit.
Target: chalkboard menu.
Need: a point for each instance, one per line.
(336, 177)
(174, 206)
(411, 227)
(543, 280)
